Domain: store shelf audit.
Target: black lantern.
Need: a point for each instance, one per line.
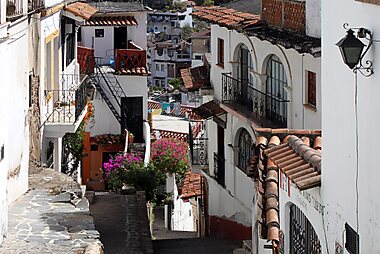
(351, 49)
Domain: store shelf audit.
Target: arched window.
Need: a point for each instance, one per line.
(303, 238)
(276, 97)
(245, 150)
(244, 76)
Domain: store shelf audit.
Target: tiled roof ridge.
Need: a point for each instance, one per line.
(316, 132)
(307, 153)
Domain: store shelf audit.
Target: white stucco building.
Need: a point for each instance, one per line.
(262, 77)
(114, 42)
(349, 181)
(14, 106)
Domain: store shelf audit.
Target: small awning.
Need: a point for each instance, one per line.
(112, 21)
(209, 109)
(80, 9)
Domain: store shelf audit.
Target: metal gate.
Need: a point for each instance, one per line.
(303, 238)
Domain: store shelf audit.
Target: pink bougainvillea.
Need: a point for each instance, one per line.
(170, 156)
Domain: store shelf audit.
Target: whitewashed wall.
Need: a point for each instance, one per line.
(17, 144)
(105, 121)
(313, 18)
(295, 64)
(183, 216)
(340, 174)
(4, 111)
(104, 46)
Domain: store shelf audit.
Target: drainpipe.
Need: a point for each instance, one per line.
(303, 92)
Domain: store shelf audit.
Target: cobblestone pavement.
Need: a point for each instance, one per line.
(41, 222)
(122, 222)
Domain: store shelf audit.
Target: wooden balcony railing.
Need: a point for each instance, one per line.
(129, 58)
(86, 60)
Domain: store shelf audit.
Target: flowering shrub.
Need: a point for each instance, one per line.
(170, 156)
(129, 169)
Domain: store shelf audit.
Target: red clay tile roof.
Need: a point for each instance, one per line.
(169, 134)
(281, 149)
(81, 9)
(139, 71)
(111, 21)
(108, 139)
(191, 185)
(223, 16)
(209, 109)
(195, 78)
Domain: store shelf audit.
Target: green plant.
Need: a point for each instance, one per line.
(129, 169)
(186, 32)
(176, 83)
(208, 2)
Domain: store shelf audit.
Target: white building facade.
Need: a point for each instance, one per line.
(260, 80)
(349, 182)
(14, 106)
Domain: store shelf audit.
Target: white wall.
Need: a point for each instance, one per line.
(235, 200)
(4, 111)
(17, 144)
(104, 46)
(313, 18)
(183, 215)
(105, 121)
(339, 176)
(295, 64)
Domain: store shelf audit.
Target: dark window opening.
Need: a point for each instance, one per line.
(220, 52)
(311, 89)
(245, 150)
(99, 33)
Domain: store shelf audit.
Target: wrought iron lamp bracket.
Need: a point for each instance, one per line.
(365, 69)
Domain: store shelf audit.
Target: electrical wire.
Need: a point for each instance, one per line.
(357, 152)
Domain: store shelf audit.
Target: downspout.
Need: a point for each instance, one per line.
(303, 92)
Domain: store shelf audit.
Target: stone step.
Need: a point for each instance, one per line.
(241, 251)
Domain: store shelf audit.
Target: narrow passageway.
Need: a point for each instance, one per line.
(122, 223)
(173, 242)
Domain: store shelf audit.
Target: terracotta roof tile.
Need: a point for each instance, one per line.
(137, 71)
(169, 134)
(191, 185)
(81, 9)
(295, 158)
(111, 21)
(209, 109)
(227, 17)
(108, 139)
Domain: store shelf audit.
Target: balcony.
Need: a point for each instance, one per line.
(130, 62)
(199, 152)
(15, 8)
(34, 5)
(263, 108)
(86, 60)
(66, 107)
(219, 169)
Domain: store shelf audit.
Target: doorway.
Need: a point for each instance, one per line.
(120, 38)
(132, 116)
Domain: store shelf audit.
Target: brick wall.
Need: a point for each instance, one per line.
(294, 16)
(287, 14)
(272, 12)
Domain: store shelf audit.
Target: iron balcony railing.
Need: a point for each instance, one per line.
(199, 151)
(258, 104)
(219, 169)
(14, 8)
(68, 104)
(34, 5)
